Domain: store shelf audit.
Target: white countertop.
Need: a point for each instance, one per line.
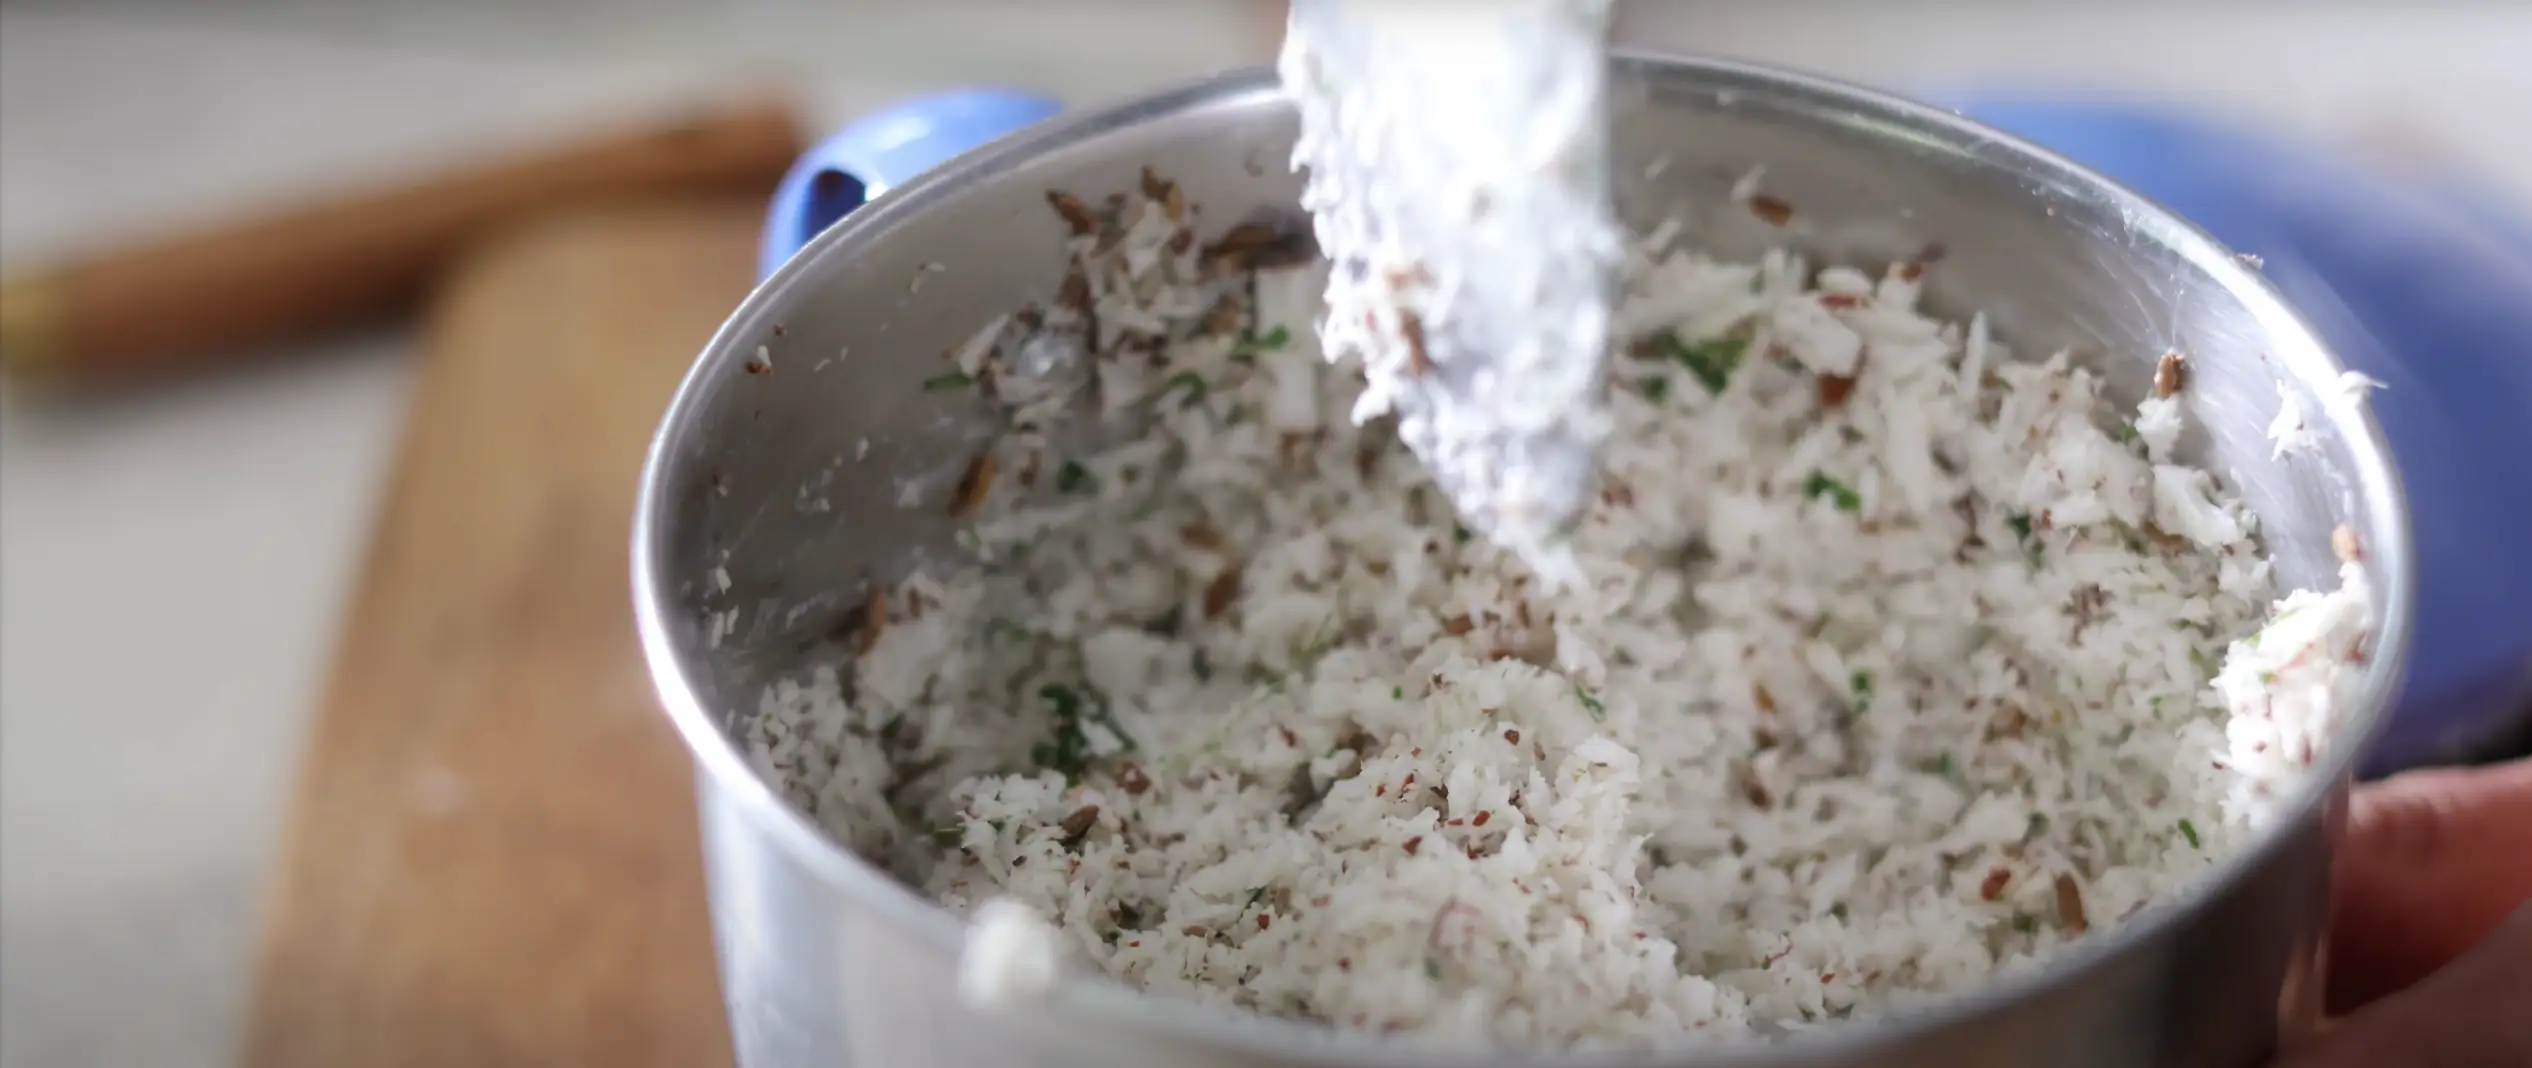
(171, 567)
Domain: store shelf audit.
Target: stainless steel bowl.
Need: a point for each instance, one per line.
(826, 960)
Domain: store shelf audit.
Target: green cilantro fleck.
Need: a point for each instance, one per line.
(1711, 361)
(947, 382)
(1460, 533)
(1433, 969)
(1861, 683)
(1255, 895)
(948, 834)
(1068, 749)
(1943, 765)
(1252, 343)
(2198, 659)
(1590, 703)
(1397, 693)
(2189, 831)
(2021, 524)
(1074, 478)
(1190, 381)
(1657, 389)
(2026, 923)
(1838, 910)
(2039, 823)
(1821, 485)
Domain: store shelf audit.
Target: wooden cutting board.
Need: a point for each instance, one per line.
(492, 857)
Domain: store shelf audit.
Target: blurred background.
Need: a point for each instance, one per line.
(178, 561)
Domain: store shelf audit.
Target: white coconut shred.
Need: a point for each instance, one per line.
(1459, 181)
(1871, 687)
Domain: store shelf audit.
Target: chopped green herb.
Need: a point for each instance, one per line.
(1838, 910)
(1821, 485)
(2189, 831)
(1942, 765)
(1190, 381)
(2021, 524)
(1657, 389)
(1711, 361)
(1068, 750)
(1397, 693)
(947, 382)
(2198, 659)
(947, 834)
(1590, 704)
(1202, 665)
(1074, 478)
(2039, 823)
(1433, 969)
(1255, 895)
(2128, 435)
(1253, 342)
(1861, 683)
(2026, 923)
(1460, 533)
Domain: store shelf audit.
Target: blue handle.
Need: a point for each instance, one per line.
(881, 151)
(2424, 285)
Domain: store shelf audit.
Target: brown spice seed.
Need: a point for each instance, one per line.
(1222, 592)
(2070, 905)
(1411, 327)
(1414, 843)
(1075, 291)
(1077, 215)
(2170, 373)
(1773, 211)
(1839, 300)
(1766, 701)
(1203, 536)
(1834, 389)
(874, 617)
(1993, 887)
(1481, 818)
(1911, 271)
(1513, 737)
(1225, 317)
(1458, 625)
(973, 486)
(1131, 779)
(1080, 822)
(1265, 920)
(1238, 248)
